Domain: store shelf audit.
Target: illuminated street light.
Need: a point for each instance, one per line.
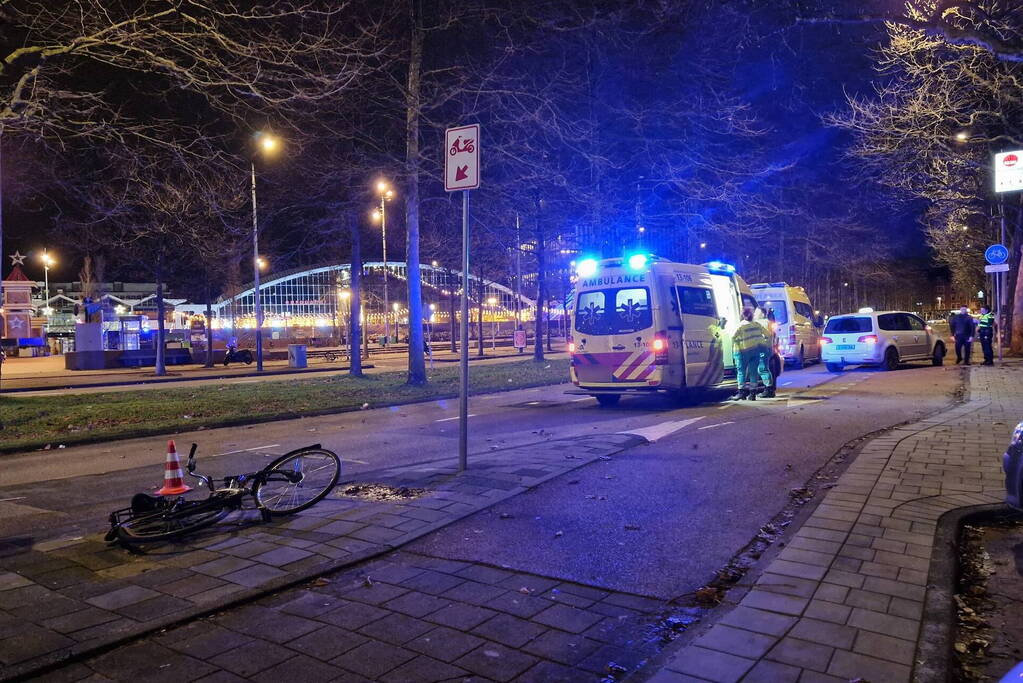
(962, 136)
(269, 145)
(386, 194)
(703, 245)
(262, 263)
(47, 262)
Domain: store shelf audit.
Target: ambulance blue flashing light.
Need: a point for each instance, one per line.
(638, 261)
(586, 267)
(718, 266)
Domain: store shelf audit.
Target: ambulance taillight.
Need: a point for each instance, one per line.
(659, 346)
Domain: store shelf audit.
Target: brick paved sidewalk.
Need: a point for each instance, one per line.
(845, 598)
(68, 597)
(403, 618)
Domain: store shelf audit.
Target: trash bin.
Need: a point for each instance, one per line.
(297, 356)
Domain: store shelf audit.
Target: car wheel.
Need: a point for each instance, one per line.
(891, 359)
(835, 367)
(607, 400)
(938, 357)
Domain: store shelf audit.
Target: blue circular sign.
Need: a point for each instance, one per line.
(996, 253)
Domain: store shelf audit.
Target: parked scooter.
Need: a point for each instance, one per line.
(233, 355)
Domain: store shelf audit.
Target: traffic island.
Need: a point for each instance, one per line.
(850, 596)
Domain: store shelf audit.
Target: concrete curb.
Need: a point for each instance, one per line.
(937, 635)
(57, 659)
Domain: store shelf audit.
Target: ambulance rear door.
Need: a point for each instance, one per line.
(693, 295)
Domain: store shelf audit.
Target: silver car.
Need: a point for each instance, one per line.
(1012, 465)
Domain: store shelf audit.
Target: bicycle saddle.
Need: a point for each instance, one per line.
(143, 502)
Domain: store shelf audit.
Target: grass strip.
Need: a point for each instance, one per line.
(34, 422)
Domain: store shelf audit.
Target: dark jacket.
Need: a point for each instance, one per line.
(961, 325)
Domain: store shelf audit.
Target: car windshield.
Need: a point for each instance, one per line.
(851, 324)
(781, 315)
(613, 311)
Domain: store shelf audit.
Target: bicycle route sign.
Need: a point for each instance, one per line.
(462, 158)
(996, 253)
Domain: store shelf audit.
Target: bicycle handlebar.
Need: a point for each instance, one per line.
(206, 481)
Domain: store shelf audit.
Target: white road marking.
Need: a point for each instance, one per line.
(718, 424)
(659, 431)
(445, 419)
(6, 500)
(361, 462)
(727, 405)
(248, 450)
(785, 384)
(584, 398)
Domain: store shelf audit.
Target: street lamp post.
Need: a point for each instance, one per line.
(268, 144)
(47, 262)
(385, 194)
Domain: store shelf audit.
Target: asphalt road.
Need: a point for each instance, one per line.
(696, 494)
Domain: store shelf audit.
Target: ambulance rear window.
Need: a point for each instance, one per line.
(613, 311)
(781, 315)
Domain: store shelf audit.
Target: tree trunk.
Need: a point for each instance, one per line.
(548, 326)
(209, 328)
(479, 316)
(355, 304)
(416, 361)
(541, 292)
(161, 361)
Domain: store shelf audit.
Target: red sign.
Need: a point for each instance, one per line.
(462, 158)
(1010, 160)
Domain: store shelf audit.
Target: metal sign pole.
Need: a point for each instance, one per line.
(463, 333)
(999, 288)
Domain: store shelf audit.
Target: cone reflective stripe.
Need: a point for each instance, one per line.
(173, 483)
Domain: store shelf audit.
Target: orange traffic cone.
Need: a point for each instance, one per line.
(172, 474)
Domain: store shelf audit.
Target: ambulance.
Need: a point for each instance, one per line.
(642, 324)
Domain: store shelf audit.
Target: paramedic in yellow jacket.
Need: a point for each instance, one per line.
(749, 341)
(766, 320)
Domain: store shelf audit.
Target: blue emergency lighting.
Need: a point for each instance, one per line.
(721, 267)
(586, 268)
(638, 261)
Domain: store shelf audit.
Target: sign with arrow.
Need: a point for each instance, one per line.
(462, 158)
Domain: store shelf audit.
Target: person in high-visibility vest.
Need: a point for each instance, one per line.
(748, 343)
(766, 320)
(986, 332)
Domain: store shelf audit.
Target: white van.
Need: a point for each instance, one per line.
(643, 324)
(799, 328)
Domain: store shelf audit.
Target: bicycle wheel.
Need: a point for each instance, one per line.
(170, 524)
(298, 480)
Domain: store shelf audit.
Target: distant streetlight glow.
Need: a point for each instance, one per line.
(963, 135)
(268, 143)
(47, 262)
(386, 194)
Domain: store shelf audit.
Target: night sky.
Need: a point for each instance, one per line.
(791, 76)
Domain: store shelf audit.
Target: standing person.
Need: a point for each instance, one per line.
(986, 333)
(748, 342)
(766, 320)
(961, 324)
